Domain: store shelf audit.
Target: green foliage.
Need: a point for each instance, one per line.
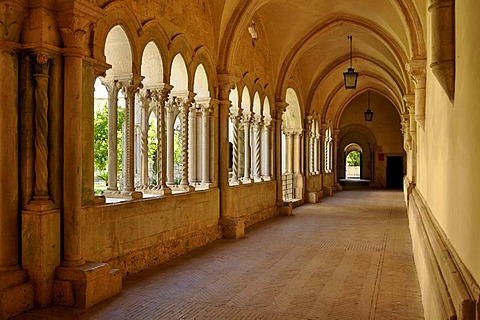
(353, 158)
(152, 145)
(100, 133)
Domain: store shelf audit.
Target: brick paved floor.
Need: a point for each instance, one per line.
(348, 257)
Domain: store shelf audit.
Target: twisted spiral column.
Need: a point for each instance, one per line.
(41, 126)
(235, 121)
(257, 156)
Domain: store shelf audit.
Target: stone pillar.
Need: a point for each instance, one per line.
(130, 88)
(246, 128)
(15, 293)
(192, 144)
(257, 124)
(185, 103)
(113, 87)
(336, 182)
(309, 145)
(159, 98)
(417, 72)
(235, 118)
(206, 110)
(171, 107)
(443, 44)
(410, 105)
(266, 158)
(280, 108)
(297, 165)
(289, 151)
(144, 99)
(78, 283)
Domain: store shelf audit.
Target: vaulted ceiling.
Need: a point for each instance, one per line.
(310, 38)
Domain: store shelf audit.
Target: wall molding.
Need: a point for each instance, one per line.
(448, 289)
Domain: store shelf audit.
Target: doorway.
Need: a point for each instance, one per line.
(394, 172)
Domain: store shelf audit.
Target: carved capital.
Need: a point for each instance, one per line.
(417, 71)
(131, 85)
(280, 108)
(409, 102)
(12, 15)
(226, 82)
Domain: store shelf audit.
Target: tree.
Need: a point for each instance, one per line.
(100, 134)
(353, 158)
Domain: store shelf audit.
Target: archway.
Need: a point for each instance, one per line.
(353, 161)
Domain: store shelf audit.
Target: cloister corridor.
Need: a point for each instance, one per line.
(347, 257)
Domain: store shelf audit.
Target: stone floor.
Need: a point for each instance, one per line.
(348, 257)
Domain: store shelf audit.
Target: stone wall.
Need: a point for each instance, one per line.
(252, 202)
(144, 233)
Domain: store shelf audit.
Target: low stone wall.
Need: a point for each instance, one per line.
(253, 202)
(140, 234)
(448, 289)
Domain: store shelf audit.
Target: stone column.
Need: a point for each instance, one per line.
(443, 44)
(257, 124)
(336, 182)
(145, 100)
(318, 153)
(235, 118)
(130, 88)
(309, 145)
(417, 72)
(206, 110)
(296, 151)
(246, 128)
(9, 157)
(113, 87)
(280, 107)
(410, 103)
(289, 151)
(266, 158)
(171, 107)
(160, 98)
(14, 283)
(192, 144)
(185, 103)
(76, 280)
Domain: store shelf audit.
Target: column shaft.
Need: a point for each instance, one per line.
(192, 145)
(246, 131)
(171, 106)
(257, 149)
(72, 185)
(235, 121)
(9, 161)
(206, 144)
(112, 89)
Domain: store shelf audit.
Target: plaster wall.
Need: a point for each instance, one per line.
(448, 149)
(140, 234)
(253, 202)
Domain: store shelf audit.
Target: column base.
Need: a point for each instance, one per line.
(313, 197)
(129, 195)
(16, 295)
(86, 285)
(187, 187)
(163, 191)
(246, 180)
(233, 228)
(328, 191)
(287, 209)
(41, 251)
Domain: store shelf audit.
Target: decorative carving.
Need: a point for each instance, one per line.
(42, 69)
(235, 118)
(11, 20)
(417, 72)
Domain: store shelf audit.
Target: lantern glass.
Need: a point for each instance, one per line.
(350, 78)
(368, 115)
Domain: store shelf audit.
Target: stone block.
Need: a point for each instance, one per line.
(41, 251)
(16, 299)
(287, 209)
(90, 284)
(233, 228)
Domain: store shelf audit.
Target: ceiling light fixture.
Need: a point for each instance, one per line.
(350, 76)
(369, 113)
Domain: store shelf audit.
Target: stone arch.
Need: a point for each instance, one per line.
(201, 82)
(152, 66)
(292, 118)
(179, 74)
(179, 46)
(153, 33)
(365, 139)
(122, 15)
(203, 57)
(118, 52)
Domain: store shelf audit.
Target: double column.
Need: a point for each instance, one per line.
(417, 72)
(256, 141)
(265, 150)
(246, 122)
(235, 119)
(280, 107)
